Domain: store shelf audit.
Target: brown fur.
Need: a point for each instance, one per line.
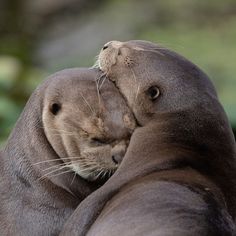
(184, 132)
(35, 202)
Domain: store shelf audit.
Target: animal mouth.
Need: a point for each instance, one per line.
(94, 172)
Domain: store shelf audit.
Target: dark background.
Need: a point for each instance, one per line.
(39, 37)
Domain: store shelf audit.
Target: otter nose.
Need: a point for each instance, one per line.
(105, 47)
(114, 44)
(117, 158)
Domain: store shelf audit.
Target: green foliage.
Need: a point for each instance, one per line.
(14, 91)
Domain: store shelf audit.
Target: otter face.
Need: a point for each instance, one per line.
(154, 79)
(89, 130)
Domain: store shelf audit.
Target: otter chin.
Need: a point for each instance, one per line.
(70, 136)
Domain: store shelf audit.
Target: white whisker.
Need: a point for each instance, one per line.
(136, 84)
(96, 63)
(57, 159)
(67, 171)
(53, 171)
(60, 130)
(87, 103)
(73, 179)
(136, 96)
(54, 166)
(102, 82)
(98, 174)
(98, 92)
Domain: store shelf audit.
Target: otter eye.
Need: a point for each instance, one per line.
(99, 141)
(153, 92)
(55, 108)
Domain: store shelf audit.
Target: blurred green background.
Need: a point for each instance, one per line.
(39, 37)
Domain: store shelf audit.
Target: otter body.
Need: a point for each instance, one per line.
(53, 156)
(183, 127)
(154, 207)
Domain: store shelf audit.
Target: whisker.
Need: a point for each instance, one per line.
(88, 169)
(67, 171)
(134, 76)
(96, 63)
(137, 84)
(87, 103)
(63, 131)
(136, 96)
(73, 179)
(53, 171)
(57, 159)
(63, 134)
(102, 82)
(104, 174)
(73, 127)
(54, 166)
(98, 174)
(97, 80)
(60, 130)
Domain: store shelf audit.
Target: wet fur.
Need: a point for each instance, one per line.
(39, 189)
(185, 139)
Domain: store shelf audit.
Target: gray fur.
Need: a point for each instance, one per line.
(185, 137)
(31, 205)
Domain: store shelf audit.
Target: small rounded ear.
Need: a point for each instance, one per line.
(55, 108)
(153, 93)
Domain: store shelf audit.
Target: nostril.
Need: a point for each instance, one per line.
(114, 160)
(105, 47)
(117, 159)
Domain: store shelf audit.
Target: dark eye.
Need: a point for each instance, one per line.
(153, 92)
(105, 47)
(55, 108)
(98, 141)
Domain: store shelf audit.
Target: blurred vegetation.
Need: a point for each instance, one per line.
(40, 37)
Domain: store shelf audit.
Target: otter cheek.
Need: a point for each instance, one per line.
(129, 121)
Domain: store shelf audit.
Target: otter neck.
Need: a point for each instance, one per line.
(176, 140)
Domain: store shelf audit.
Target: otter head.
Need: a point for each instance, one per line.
(154, 79)
(88, 127)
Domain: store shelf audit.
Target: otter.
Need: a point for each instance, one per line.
(178, 174)
(69, 139)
